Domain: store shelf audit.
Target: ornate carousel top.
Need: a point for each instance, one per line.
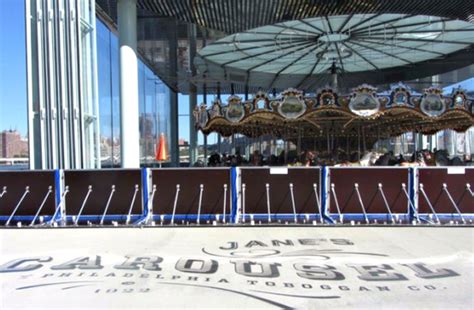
(362, 112)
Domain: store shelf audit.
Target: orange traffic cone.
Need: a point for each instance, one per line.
(161, 150)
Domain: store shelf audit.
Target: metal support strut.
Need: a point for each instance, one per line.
(468, 188)
(380, 189)
(176, 196)
(50, 190)
(293, 202)
(429, 202)
(267, 188)
(445, 189)
(26, 192)
(318, 202)
(112, 191)
(201, 190)
(412, 207)
(333, 191)
(58, 208)
(225, 204)
(243, 203)
(4, 191)
(131, 204)
(356, 188)
(151, 197)
(89, 190)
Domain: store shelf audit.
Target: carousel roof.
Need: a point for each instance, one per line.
(303, 53)
(363, 112)
(162, 21)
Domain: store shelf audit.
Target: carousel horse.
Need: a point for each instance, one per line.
(418, 160)
(369, 159)
(442, 158)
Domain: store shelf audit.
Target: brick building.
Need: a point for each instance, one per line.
(12, 144)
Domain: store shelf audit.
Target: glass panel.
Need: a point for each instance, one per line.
(89, 90)
(104, 63)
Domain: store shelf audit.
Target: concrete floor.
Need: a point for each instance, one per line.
(234, 267)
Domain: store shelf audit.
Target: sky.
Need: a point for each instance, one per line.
(13, 105)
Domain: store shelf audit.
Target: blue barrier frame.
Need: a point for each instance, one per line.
(233, 188)
(370, 216)
(229, 218)
(84, 219)
(444, 217)
(287, 216)
(232, 216)
(46, 218)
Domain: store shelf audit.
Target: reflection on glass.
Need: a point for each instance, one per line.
(327, 99)
(153, 97)
(260, 104)
(433, 105)
(107, 63)
(364, 105)
(459, 100)
(234, 112)
(291, 107)
(400, 98)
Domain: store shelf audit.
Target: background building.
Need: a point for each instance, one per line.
(12, 144)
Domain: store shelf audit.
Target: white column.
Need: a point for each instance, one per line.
(129, 129)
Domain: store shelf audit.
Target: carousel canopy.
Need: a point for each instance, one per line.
(362, 112)
(164, 23)
(376, 48)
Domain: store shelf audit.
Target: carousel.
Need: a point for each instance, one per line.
(329, 119)
(350, 53)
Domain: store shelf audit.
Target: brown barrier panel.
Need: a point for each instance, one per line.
(101, 182)
(38, 181)
(280, 197)
(368, 180)
(433, 179)
(189, 180)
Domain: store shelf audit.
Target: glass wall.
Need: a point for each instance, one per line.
(109, 96)
(154, 107)
(154, 99)
(89, 84)
(183, 130)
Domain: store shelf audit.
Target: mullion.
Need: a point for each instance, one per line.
(385, 22)
(296, 29)
(314, 67)
(422, 31)
(321, 31)
(329, 24)
(419, 40)
(358, 32)
(339, 56)
(279, 56)
(344, 23)
(380, 51)
(262, 53)
(363, 22)
(294, 62)
(243, 49)
(405, 47)
(258, 40)
(278, 33)
(360, 55)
